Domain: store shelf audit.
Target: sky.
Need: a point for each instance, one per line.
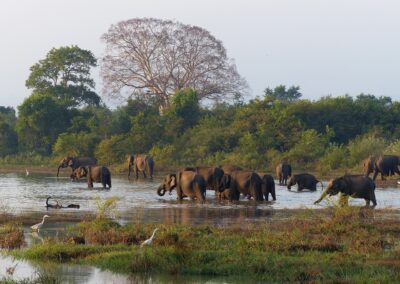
(326, 47)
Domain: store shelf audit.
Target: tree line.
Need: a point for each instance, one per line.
(184, 104)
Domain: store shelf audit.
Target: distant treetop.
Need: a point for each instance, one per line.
(152, 57)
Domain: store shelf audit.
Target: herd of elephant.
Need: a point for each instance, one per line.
(229, 181)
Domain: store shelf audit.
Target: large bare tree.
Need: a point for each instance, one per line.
(158, 57)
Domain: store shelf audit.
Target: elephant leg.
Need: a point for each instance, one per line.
(90, 183)
(372, 198)
(367, 202)
(375, 175)
(144, 174)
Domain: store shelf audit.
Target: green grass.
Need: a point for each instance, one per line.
(345, 245)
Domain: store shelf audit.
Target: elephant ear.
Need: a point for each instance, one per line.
(343, 186)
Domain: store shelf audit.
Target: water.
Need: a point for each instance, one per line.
(138, 202)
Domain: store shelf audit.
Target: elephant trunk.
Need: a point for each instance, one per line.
(161, 191)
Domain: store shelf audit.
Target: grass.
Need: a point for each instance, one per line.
(341, 245)
(11, 236)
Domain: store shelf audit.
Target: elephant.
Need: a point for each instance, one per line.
(283, 172)
(187, 184)
(386, 165)
(303, 181)
(94, 174)
(212, 176)
(267, 186)
(140, 163)
(228, 169)
(245, 182)
(357, 186)
(75, 162)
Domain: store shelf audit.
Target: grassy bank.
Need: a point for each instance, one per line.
(345, 244)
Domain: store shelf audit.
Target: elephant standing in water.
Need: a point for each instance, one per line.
(267, 186)
(140, 163)
(386, 165)
(75, 162)
(356, 186)
(245, 182)
(304, 181)
(212, 176)
(94, 174)
(187, 184)
(283, 172)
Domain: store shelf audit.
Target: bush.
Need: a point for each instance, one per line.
(75, 144)
(364, 146)
(112, 150)
(393, 148)
(335, 157)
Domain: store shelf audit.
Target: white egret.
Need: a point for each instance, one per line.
(27, 172)
(149, 241)
(37, 226)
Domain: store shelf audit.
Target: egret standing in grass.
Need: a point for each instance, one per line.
(39, 225)
(149, 241)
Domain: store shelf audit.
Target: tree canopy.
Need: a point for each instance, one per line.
(152, 57)
(65, 74)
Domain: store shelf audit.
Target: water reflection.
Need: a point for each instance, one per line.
(86, 274)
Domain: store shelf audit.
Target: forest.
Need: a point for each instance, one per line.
(177, 96)
(326, 134)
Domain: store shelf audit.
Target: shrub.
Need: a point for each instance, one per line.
(364, 146)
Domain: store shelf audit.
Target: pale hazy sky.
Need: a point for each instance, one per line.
(325, 47)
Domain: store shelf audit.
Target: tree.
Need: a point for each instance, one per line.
(159, 57)
(65, 73)
(280, 93)
(41, 119)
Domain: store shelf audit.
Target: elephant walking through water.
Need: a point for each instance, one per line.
(187, 184)
(140, 163)
(356, 186)
(246, 182)
(283, 172)
(386, 165)
(76, 162)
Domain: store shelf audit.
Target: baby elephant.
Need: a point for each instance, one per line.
(304, 181)
(357, 186)
(94, 174)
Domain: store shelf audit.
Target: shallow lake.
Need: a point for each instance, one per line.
(139, 202)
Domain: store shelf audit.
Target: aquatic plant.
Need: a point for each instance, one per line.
(11, 236)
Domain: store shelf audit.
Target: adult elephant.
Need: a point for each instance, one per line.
(187, 184)
(283, 172)
(99, 174)
(386, 165)
(246, 182)
(357, 186)
(140, 163)
(76, 162)
(212, 176)
(304, 181)
(267, 185)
